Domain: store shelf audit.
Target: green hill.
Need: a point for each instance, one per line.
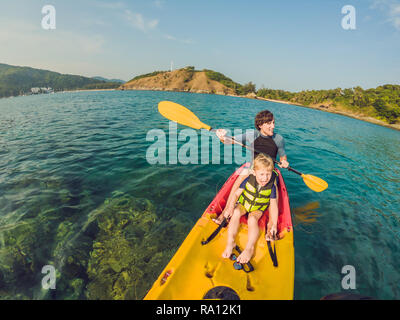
(15, 80)
(239, 89)
(382, 103)
(191, 80)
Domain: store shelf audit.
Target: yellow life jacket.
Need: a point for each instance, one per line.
(254, 198)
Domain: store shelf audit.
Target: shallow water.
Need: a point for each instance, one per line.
(68, 158)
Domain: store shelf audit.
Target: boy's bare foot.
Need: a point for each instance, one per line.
(228, 250)
(246, 255)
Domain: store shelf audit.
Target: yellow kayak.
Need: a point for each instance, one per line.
(198, 271)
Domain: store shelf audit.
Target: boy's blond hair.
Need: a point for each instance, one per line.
(263, 161)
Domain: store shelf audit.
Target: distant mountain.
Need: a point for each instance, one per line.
(109, 80)
(190, 80)
(15, 80)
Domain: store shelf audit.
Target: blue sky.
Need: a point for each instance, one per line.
(292, 45)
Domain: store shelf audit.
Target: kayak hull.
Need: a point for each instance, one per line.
(198, 271)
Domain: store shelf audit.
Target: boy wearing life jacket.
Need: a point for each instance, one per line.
(256, 193)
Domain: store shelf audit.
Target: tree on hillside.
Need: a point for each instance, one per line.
(390, 114)
(348, 93)
(248, 88)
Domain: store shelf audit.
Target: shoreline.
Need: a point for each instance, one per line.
(328, 109)
(38, 94)
(340, 112)
(85, 90)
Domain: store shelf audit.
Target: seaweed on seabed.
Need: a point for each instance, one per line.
(18, 263)
(129, 250)
(71, 254)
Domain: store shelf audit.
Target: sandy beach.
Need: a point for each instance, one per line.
(85, 90)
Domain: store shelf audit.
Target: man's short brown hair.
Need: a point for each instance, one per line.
(263, 117)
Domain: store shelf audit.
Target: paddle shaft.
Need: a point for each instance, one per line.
(255, 150)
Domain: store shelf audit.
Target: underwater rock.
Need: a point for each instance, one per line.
(64, 196)
(2, 283)
(115, 252)
(71, 255)
(28, 245)
(18, 267)
(130, 249)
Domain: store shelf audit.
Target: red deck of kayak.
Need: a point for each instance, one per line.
(284, 217)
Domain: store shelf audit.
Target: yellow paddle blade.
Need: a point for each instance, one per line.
(180, 114)
(314, 183)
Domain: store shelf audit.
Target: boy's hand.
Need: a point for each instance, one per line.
(225, 214)
(271, 232)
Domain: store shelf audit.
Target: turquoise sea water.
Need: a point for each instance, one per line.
(73, 166)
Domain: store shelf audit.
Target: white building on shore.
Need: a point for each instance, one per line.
(37, 90)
